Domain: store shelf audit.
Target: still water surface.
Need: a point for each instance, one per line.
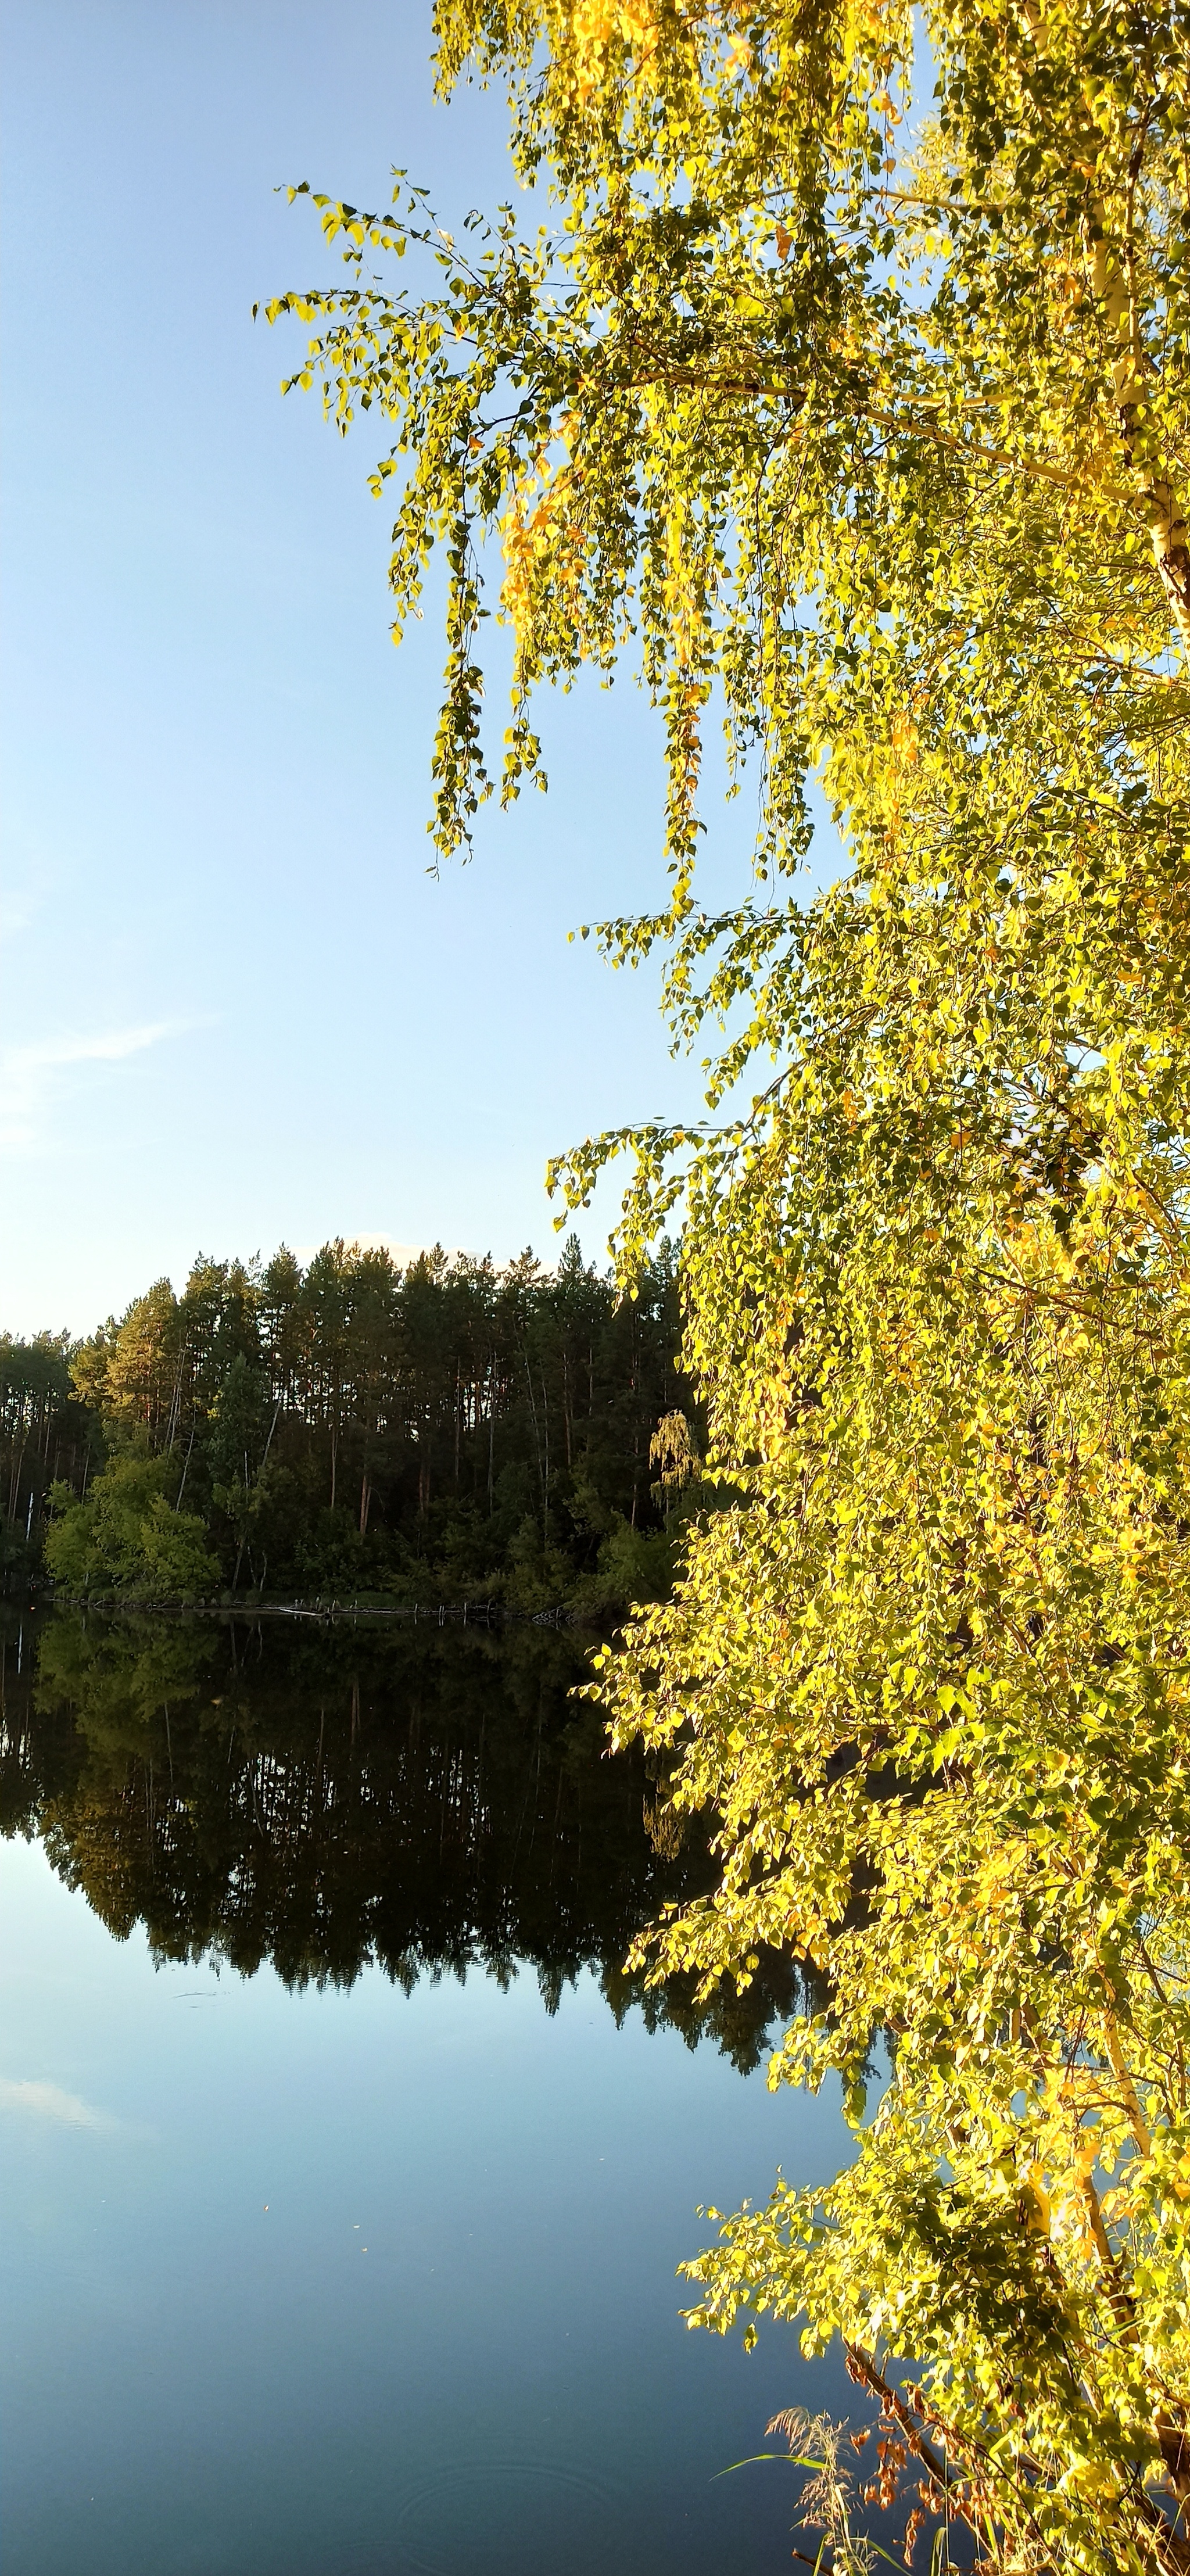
(345, 2177)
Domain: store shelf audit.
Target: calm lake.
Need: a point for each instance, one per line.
(344, 2175)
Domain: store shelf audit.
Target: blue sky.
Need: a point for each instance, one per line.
(235, 1008)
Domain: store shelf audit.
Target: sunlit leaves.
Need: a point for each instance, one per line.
(868, 412)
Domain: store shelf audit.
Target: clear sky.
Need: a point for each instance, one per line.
(235, 1008)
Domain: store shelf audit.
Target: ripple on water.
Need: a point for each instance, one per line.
(510, 2517)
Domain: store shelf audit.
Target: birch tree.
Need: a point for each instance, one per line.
(847, 390)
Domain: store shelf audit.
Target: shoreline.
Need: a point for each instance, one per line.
(479, 1614)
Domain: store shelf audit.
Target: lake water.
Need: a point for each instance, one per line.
(344, 2176)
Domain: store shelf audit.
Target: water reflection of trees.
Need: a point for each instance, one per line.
(423, 1799)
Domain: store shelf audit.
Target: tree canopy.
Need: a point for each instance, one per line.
(848, 389)
(445, 1431)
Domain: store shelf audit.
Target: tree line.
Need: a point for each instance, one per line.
(449, 1430)
(46, 1436)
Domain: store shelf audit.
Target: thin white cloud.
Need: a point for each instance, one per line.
(49, 2102)
(27, 1072)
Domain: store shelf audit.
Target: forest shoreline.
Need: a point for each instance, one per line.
(351, 1431)
(243, 1605)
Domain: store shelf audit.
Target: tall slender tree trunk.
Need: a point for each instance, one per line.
(545, 1434)
(1171, 553)
(185, 1470)
(269, 1442)
(536, 1438)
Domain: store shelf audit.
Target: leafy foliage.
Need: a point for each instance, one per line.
(128, 1534)
(872, 413)
(449, 1430)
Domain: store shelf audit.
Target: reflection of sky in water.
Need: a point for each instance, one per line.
(449, 2343)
